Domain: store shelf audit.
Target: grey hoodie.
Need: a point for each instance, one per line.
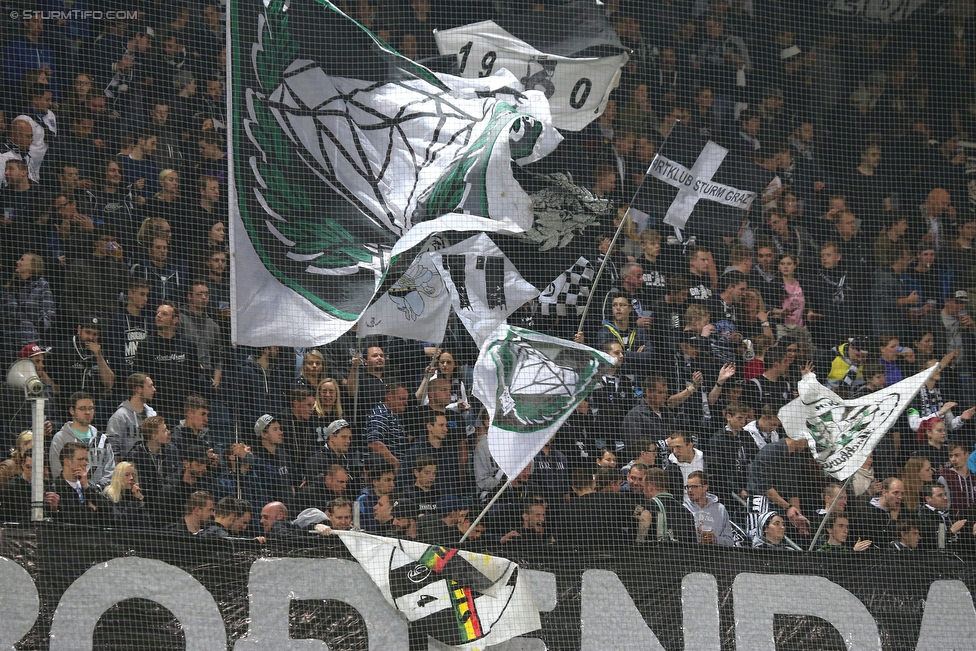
(712, 513)
(123, 428)
(101, 459)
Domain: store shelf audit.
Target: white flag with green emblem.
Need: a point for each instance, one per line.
(531, 383)
(345, 154)
(842, 433)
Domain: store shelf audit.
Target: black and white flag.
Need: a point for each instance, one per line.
(688, 176)
(576, 85)
(568, 292)
(483, 284)
(473, 276)
(467, 601)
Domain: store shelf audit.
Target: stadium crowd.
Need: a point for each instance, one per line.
(856, 263)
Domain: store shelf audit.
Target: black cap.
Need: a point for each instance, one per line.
(90, 321)
(861, 344)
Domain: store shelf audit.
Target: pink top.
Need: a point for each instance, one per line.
(794, 298)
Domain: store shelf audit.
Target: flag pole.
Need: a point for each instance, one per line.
(823, 523)
(359, 370)
(485, 510)
(599, 273)
(616, 235)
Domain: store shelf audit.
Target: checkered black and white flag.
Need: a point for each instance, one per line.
(569, 291)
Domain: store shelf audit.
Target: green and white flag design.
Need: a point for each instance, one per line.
(531, 383)
(345, 154)
(842, 433)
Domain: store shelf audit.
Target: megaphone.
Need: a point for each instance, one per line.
(23, 375)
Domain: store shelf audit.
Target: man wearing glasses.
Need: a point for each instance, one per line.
(711, 518)
(101, 458)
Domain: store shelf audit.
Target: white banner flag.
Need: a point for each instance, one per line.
(577, 88)
(417, 306)
(881, 12)
(842, 433)
(467, 601)
(483, 284)
(530, 384)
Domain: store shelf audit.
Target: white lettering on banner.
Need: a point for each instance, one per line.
(696, 184)
(577, 88)
(621, 628)
(106, 584)
(699, 612)
(275, 582)
(759, 598)
(948, 611)
(20, 603)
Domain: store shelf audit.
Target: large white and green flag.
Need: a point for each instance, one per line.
(531, 383)
(345, 154)
(842, 433)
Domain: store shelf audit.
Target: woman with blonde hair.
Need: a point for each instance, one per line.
(629, 241)
(153, 228)
(755, 316)
(313, 370)
(328, 401)
(124, 499)
(699, 320)
(13, 466)
(167, 202)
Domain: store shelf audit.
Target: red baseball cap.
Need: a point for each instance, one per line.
(32, 350)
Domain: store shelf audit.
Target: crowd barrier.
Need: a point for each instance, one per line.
(73, 588)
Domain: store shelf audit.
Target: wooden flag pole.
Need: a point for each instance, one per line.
(603, 265)
(359, 370)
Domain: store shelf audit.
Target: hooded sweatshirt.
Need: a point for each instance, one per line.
(101, 458)
(698, 463)
(759, 437)
(123, 428)
(712, 513)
